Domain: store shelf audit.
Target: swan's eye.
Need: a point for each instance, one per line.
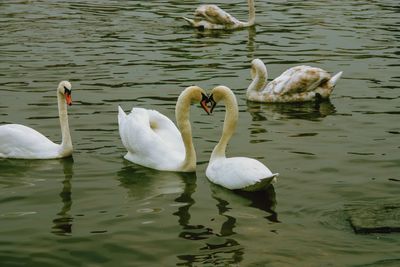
(67, 91)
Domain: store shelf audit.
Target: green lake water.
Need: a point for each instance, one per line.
(97, 209)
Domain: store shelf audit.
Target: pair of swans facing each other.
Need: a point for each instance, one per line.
(22, 142)
(153, 141)
(211, 17)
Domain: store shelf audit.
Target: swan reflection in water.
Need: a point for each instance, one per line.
(21, 170)
(220, 248)
(225, 34)
(200, 33)
(214, 245)
(62, 224)
(146, 183)
(264, 200)
(312, 111)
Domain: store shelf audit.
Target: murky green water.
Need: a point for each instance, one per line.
(99, 210)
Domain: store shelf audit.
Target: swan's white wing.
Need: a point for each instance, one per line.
(166, 130)
(297, 80)
(152, 140)
(214, 15)
(19, 141)
(237, 172)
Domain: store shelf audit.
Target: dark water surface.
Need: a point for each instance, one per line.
(99, 210)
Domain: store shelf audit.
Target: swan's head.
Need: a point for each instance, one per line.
(195, 94)
(64, 88)
(257, 66)
(219, 93)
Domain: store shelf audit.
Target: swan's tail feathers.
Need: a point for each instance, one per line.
(190, 21)
(262, 184)
(332, 82)
(275, 179)
(121, 115)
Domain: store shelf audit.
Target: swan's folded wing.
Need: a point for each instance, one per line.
(166, 130)
(298, 80)
(143, 142)
(214, 15)
(19, 141)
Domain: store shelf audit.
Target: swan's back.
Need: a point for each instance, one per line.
(19, 141)
(298, 80)
(215, 15)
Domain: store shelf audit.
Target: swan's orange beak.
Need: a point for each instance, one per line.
(203, 103)
(68, 99)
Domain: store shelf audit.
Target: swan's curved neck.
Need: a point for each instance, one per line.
(230, 122)
(252, 14)
(66, 144)
(260, 78)
(182, 111)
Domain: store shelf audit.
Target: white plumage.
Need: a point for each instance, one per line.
(297, 84)
(213, 17)
(236, 172)
(21, 142)
(152, 139)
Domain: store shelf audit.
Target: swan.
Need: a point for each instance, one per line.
(213, 17)
(22, 142)
(297, 84)
(238, 172)
(153, 140)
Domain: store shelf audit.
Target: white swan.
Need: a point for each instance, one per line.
(213, 17)
(239, 172)
(22, 142)
(297, 84)
(153, 140)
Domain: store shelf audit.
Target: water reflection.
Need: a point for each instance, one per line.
(21, 170)
(218, 248)
(187, 201)
(229, 37)
(221, 248)
(251, 42)
(63, 221)
(264, 200)
(145, 183)
(200, 32)
(312, 111)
